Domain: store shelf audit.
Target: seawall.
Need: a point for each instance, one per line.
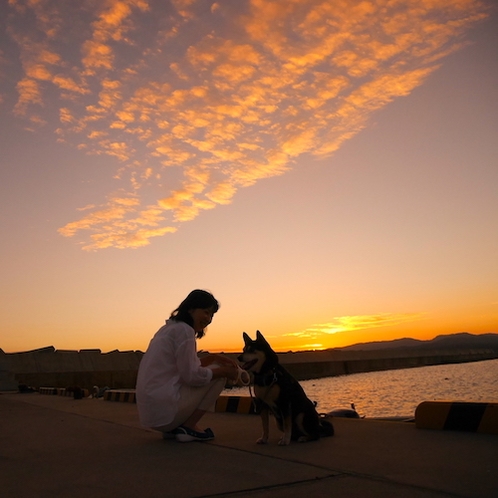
(118, 369)
(310, 365)
(62, 368)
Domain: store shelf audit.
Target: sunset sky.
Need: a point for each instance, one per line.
(327, 168)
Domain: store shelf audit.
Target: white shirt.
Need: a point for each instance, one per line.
(170, 361)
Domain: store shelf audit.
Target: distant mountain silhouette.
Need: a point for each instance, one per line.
(462, 340)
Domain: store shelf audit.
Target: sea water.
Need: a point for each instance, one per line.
(396, 393)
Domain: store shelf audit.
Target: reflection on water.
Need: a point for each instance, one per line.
(396, 393)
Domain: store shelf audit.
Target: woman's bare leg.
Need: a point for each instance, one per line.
(191, 422)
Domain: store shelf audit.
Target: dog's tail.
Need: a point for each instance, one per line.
(326, 428)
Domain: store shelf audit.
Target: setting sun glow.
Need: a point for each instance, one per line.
(326, 169)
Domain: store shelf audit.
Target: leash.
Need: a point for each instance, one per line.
(243, 377)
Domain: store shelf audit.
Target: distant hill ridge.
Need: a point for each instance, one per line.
(462, 340)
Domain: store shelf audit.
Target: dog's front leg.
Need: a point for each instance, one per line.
(265, 419)
(287, 427)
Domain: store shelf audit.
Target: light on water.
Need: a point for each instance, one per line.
(396, 393)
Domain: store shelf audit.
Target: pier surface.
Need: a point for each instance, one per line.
(55, 446)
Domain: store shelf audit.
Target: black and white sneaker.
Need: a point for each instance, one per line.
(186, 435)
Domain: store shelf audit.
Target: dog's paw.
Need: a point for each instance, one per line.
(283, 442)
(262, 440)
(303, 439)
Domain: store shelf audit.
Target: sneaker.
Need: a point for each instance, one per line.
(186, 435)
(172, 433)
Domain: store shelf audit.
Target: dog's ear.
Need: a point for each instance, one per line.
(259, 336)
(247, 339)
(266, 345)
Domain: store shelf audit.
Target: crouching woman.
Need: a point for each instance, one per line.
(175, 387)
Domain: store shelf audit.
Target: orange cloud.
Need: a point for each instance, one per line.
(29, 93)
(203, 102)
(357, 322)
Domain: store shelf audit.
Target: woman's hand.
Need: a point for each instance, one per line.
(222, 361)
(230, 371)
(222, 366)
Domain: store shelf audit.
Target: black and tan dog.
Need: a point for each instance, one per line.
(277, 391)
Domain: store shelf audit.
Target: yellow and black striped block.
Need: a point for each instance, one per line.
(235, 404)
(63, 391)
(117, 395)
(457, 416)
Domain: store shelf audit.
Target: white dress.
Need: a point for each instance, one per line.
(169, 365)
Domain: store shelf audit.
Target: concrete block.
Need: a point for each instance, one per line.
(124, 395)
(457, 416)
(8, 381)
(235, 404)
(90, 359)
(66, 361)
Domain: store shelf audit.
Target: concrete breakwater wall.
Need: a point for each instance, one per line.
(374, 361)
(61, 368)
(118, 369)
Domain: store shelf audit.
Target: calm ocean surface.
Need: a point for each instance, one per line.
(396, 393)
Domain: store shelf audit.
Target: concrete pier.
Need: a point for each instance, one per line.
(58, 446)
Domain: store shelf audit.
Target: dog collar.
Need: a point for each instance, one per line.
(266, 379)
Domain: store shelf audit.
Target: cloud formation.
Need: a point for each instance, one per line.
(195, 99)
(356, 322)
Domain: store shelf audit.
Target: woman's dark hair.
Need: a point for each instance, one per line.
(197, 299)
